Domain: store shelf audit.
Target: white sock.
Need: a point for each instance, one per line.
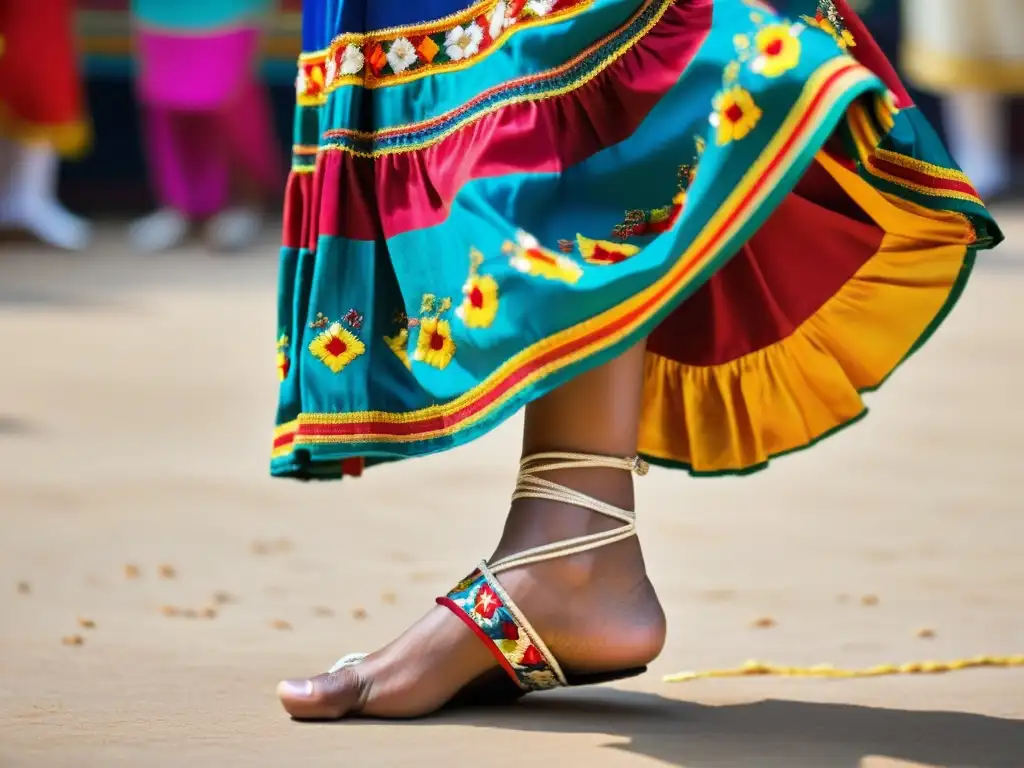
(29, 197)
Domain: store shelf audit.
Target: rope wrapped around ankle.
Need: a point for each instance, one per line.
(530, 486)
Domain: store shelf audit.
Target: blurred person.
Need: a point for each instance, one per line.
(209, 135)
(41, 119)
(972, 54)
(455, 249)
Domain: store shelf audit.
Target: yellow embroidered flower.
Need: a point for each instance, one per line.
(284, 364)
(732, 72)
(604, 251)
(435, 346)
(735, 114)
(778, 49)
(480, 306)
(530, 258)
(399, 344)
(336, 347)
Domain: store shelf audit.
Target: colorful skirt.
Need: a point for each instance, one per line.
(487, 201)
(41, 98)
(953, 45)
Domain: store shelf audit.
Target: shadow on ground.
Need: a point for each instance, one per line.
(768, 734)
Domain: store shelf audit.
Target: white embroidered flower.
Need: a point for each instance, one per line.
(330, 70)
(498, 20)
(525, 240)
(463, 42)
(301, 82)
(402, 55)
(540, 7)
(352, 60)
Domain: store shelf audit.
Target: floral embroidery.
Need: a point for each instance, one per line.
(639, 222)
(434, 344)
(352, 60)
(829, 20)
(311, 81)
(353, 319)
(778, 49)
(336, 346)
(652, 222)
(416, 50)
(399, 341)
(399, 344)
(401, 55)
(461, 43)
(284, 363)
(487, 602)
(529, 257)
(773, 50)
(479, 602)
(480, 304)
(604, 252)
(736, 114)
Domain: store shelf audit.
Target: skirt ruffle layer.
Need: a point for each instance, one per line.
(780, 258)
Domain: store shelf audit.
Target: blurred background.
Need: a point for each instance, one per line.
(114, 179)
(155, 583)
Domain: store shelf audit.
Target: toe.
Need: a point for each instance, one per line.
(325, 697)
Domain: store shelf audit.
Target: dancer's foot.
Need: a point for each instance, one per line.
(48, 221)
(596, 610)
(162, 230)
(235, 229)
(28, 199)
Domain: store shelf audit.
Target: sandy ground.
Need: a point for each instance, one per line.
(135, 408)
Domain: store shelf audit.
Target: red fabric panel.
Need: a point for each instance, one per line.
(812, 244)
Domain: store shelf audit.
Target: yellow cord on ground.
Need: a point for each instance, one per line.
(761, 669)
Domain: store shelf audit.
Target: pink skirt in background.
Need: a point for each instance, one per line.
(195, 72)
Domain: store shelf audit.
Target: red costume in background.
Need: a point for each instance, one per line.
(40, 89)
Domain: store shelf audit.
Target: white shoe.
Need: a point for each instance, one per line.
(160, 231)
(236, 229)
(50, 222)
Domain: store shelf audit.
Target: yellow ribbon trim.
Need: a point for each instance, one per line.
(755, 668)
(71, 140)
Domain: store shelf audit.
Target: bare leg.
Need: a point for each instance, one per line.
(596, 610)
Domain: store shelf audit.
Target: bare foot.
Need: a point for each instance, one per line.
(597, 612)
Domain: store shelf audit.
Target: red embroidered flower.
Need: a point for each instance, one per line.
(487, 602)
(354, 319)
(532, 657)
(509, 630)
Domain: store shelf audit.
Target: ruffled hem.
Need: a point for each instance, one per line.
(733, 417)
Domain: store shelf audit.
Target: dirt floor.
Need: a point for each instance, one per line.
(136, 398)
